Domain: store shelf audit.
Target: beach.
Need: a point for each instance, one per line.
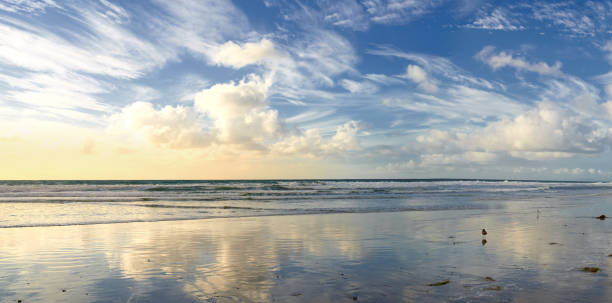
(536, 249)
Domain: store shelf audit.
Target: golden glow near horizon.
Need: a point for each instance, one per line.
(58, 151)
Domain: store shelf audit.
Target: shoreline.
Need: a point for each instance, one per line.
(240, 216)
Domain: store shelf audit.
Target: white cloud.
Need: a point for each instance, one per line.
(571, 19)
(419, 76)
(65, 71)
(416, 73)
(28, 6)
(437, 66)
(105, 41)
(48, 92)
(231, 115)
(504, 59)
(310, 115)
(576, 19)
(174, 127)
(59, 68)
(608, 89)
(46, 52)
(240, 112)
(397, 11)
(459, 102)
(325, 54)
(345, 13)
(547, 128)
(238, 56)
(308, 64)
(116, 12)
(497, 20)
(311, 143)
(345, 138)
(545, 132)
(187, 28)
(382, 79)
(355, 87)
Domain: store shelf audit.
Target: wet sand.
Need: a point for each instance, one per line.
(426, 256)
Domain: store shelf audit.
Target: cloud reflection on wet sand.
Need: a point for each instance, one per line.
(372, 257)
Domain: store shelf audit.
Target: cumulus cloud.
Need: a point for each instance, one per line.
(238, 56)
(240, 112)
(170, 126)
(311, 142)
(234, 114)
(544, 132)
(419, 76)
(344, 139)
(547, 128)
(504, 59)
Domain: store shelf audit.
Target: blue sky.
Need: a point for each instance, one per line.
(353, 88)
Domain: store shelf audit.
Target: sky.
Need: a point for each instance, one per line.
(219, 89)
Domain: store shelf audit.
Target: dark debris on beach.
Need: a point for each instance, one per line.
(439, 283)
(590, 269)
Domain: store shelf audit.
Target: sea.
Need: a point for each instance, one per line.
(58, 203)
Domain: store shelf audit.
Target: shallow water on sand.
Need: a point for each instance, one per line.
(370, 257)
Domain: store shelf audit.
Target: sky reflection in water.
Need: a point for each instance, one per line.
(317, 258)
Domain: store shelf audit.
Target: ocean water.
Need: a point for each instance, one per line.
(56, 203)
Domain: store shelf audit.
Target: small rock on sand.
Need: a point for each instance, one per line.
(602, 217)
(489, 279)
(439, 283)
(590, 269)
